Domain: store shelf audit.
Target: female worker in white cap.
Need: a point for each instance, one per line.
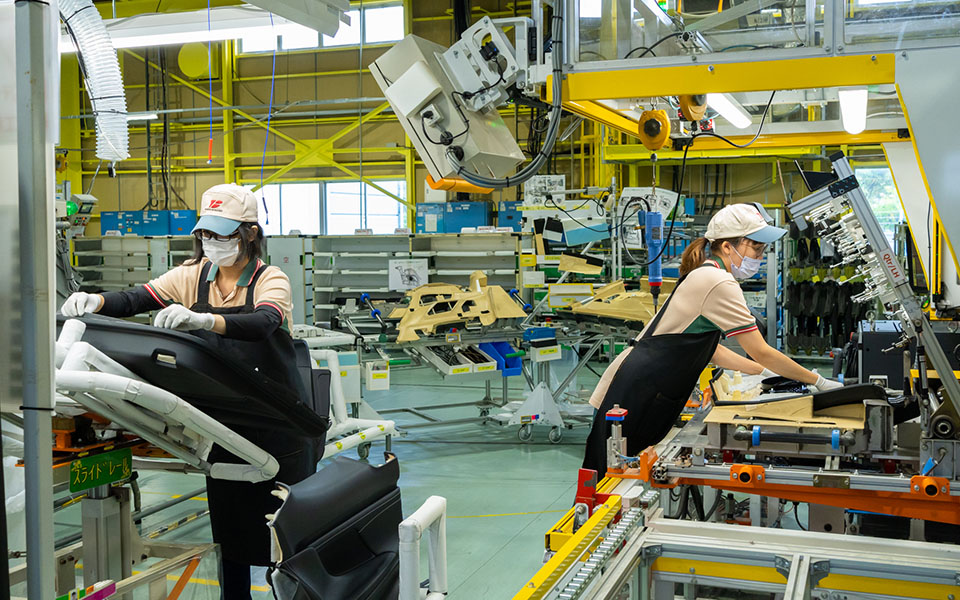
(654, 377)
(243, 307)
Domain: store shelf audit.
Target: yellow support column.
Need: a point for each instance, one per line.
(410, 172)
(409, 154)
(226, 83)
(70, 128)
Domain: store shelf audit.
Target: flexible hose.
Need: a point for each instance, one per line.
(553, 129)
(102, 72)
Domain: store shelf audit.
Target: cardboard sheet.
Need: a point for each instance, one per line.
(793, 412)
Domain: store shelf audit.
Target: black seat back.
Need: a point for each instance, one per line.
(337, 532)
(213, 382)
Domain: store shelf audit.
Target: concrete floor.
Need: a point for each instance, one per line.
(502, 494)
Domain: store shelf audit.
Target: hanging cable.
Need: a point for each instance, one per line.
(266, 140)
(210, 84)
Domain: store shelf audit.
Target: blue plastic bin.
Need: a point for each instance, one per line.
(498, 351)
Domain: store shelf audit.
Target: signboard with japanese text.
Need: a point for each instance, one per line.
(100, 469)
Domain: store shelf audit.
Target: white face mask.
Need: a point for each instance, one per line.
(223, 253)
(748, 266)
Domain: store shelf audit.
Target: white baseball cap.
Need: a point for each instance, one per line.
(224, 207)
(743, 221)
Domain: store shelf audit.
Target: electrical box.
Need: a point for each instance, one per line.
(182, 221)
(155, 223)
(430, 218)
(509, 215)
(458, 215)
(126, 222)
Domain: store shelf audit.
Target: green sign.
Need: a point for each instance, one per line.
(100, 469)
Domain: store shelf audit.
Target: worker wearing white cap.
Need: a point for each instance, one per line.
(654, 377)
(228, 296)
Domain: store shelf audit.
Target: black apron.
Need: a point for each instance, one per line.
(237, 508)
(653, 383)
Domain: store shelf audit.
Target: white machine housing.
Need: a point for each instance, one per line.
(416, 79)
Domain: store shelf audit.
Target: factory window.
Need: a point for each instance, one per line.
(300, 208)
(289, 207)
(347, 35)
(383, 24)
(350, 206)
(877, 185)
(380, 24)
(298, 37)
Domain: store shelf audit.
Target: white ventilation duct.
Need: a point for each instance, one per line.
(98, 59)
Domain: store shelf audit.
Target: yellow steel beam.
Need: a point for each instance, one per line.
(410, 172)
(603, 114)
(70, 134)
(767, 145)
(747, 76)
(226, 85)
(205, 94)
(319, 151)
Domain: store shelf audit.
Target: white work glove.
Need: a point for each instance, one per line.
(823, 384)
(79, 304)
(182, 318)
(767, 373)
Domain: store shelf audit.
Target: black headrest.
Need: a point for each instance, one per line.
(321, 502)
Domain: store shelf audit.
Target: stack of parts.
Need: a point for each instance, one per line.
(822, 315)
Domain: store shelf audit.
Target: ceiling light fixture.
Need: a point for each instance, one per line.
(730, 110)
(853, 109)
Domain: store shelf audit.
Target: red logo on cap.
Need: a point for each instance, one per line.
(215, 203)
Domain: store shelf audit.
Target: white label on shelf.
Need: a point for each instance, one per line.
(430, 223)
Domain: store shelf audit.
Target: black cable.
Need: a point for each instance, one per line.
(649, 49)
(716, 505)
(796, 516)
(698, 502)
(574, 219)
(763, 118)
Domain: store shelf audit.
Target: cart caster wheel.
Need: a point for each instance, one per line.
(484, 412)
(555, 435)
(525, 433)
(363, 450)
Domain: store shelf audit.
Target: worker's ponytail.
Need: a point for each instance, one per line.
(693, 256)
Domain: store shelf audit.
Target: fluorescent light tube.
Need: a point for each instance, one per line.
(143, 116)
(853, 109)
(730, 110)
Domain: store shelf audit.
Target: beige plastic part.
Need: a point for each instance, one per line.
(576, 264)
(450, 304)
(612, 300)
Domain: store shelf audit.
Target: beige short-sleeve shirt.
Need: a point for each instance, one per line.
(180, 286)
(710, 299)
